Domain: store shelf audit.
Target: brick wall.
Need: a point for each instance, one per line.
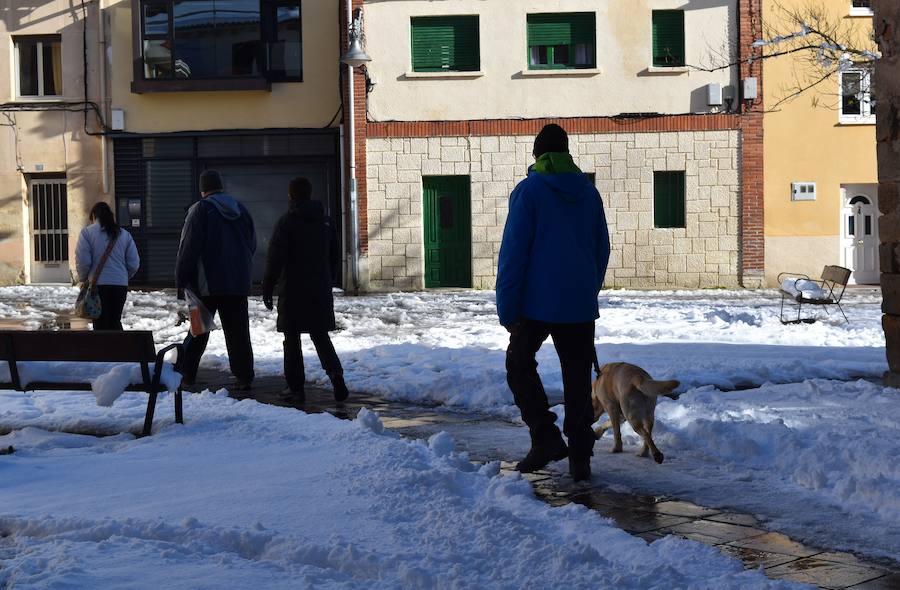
(753, 253)
(703, 254)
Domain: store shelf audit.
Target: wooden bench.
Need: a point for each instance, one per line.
(84, 346)
(833, 283)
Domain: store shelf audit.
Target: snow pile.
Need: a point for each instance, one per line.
(247, 495)
(108, 380)
(818, 459)
(109, 386)
(805, 287)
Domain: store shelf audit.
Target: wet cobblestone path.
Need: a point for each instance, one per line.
(648, 517)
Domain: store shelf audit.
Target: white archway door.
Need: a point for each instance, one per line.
(861, 233)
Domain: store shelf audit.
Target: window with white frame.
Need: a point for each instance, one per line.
(39, 66)
(856, 101)
(861, 8)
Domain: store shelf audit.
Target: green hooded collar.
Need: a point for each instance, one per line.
(555, 163)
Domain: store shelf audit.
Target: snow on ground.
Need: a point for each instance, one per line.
(247, 495)
(807, 447)
(447, 348)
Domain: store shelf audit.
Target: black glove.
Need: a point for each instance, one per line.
(267, 301)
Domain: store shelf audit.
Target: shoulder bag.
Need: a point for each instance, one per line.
(87, 305)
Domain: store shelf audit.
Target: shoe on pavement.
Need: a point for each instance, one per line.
(240, 385)
(580, 469)
(540, 455)
(340, 388)
(297, 396)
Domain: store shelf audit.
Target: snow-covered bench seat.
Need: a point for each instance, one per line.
(801, 289)
(136, 347)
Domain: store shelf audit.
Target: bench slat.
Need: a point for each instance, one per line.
(47, 345)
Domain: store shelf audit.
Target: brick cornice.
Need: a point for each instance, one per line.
(575, 126)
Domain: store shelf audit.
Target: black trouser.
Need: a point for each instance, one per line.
(112, 302)
(574, 344)
(236, 325)
(293, 358)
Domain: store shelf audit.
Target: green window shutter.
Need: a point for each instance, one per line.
(568, 34)
(668, 199)
(668, 38)
(445, 43)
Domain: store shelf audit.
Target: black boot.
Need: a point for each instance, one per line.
(296, 396)
(340, 388)
(542, 454)
(580, 469)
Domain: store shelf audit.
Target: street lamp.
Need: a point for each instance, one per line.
(355, 57)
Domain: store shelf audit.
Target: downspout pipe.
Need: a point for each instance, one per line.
(354, 203)
(104, 149)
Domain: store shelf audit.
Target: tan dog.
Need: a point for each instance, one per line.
(624, 390)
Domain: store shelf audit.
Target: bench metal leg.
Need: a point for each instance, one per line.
(148, 419)
(179, 416)
(842, 312)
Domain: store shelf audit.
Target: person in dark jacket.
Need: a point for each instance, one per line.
(552, 264)
(215, 261)
(302, 261)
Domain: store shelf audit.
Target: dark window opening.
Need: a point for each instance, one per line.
(445, 43)
(668, 38)
(668, 199)
(39, 65)
(221, 39)
(562, 40)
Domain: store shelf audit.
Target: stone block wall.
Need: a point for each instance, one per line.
(887, 81)
(703, 254)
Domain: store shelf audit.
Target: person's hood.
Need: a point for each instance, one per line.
(226, 205)
(309, 210)
(558, 171)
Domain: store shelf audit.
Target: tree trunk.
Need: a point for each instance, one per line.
(887, 94)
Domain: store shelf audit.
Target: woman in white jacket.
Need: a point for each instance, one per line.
(123, 262)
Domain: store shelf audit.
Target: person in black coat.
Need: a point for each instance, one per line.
(215, 261)
(302, 261)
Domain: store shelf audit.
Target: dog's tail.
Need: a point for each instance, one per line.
(596, 363)
(652, 388)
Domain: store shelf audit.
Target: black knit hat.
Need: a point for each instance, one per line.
(552, 138)
(210, 182)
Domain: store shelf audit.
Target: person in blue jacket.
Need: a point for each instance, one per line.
(215, 261)
(552, 264)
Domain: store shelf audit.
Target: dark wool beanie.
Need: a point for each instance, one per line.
(210, 182)
(552, 138)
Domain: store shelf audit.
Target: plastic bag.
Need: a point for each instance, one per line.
(202, 320)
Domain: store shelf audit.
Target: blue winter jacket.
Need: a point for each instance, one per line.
(218, 241)
(554, 252)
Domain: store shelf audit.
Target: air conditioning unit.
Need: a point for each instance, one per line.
(803, 191)
(749, 89)
(714, 94)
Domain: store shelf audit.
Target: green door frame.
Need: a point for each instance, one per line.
(447, 228)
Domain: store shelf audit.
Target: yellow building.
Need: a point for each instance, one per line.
(170, 88)
(819, 157)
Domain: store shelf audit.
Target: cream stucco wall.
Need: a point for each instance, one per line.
(805, 141)
(623, 83)
(311, 103)
(49, 141)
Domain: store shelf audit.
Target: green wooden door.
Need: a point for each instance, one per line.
(448, 231)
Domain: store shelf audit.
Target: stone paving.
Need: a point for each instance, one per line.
(648, 517)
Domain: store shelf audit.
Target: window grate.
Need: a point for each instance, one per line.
(50, 220)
